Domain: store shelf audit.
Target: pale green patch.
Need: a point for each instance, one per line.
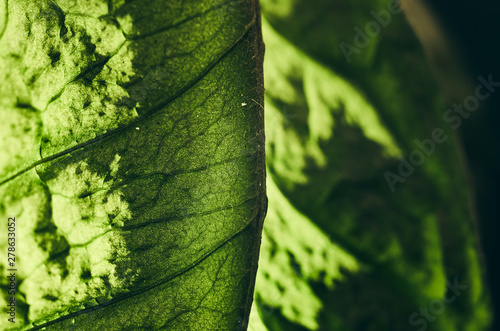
(18, 138)
(290, 238)
(84, 7)
(435, 285)
(282, 60)
(300, 89)
(63, 49)
(68, 214)
(66, 125)
(45, 49)
(329, 93)
(29, 213)
(101, 251)
(290, 157)
(113, 167)
(3, 16)
(256, 323)
(94, 240)
(126, 22)
(280, 8)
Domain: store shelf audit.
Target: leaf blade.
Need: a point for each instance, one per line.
(158, 202)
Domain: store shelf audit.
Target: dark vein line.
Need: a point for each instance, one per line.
(6, 19)
(170, 320)
(152, 222)
(93, 66)
(190, 139)
(175, 25)
(203, 168)
(157, 284)
(200, 214)
(136, 121)
(167, 174)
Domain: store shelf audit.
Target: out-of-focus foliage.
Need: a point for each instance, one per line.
(340, 249)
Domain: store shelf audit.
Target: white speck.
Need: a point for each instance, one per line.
(244, 104)
(137, 128)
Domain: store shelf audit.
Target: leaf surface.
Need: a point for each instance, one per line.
(133, 161)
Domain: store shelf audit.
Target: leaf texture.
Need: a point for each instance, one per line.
(133, 160)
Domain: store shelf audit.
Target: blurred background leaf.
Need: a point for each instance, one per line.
(340, 249)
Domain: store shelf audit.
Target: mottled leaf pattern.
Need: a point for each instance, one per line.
(133, 159)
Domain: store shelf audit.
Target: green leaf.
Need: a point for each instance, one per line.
(342, 248)
(133, 162)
